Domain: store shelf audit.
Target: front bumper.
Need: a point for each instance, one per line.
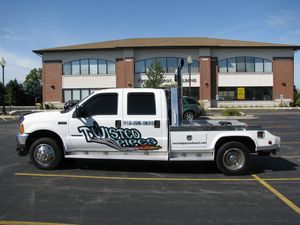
(21, 144)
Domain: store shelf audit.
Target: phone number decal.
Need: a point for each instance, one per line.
(138, 123)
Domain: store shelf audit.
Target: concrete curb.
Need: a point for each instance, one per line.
(248, 117)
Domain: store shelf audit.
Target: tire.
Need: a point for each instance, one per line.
(189, 115)
(45, 154)
(233, 158)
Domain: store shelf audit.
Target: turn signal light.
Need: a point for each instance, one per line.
(22, 128)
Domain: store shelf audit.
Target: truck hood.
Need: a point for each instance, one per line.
(54, 115)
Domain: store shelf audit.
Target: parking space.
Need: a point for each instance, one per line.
(124, 192)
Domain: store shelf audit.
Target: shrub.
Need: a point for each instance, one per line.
(298, 102)
(231, 112)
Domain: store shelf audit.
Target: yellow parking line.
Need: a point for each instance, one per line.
(277, 193)
(281, 179)
(133, 178)
(268, 127)
(8, 222)
(290, 156)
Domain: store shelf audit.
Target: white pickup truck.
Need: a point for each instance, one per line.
(139, 124)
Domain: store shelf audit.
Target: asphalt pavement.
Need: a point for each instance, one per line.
(137, 192)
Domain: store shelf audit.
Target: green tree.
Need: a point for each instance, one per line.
(33, 84)
(155, 75)
(14, 93)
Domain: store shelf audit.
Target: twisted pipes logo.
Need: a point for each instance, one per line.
(122, 139)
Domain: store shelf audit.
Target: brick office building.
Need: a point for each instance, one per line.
(223, 72)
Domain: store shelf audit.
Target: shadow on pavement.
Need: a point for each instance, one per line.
(259, 165)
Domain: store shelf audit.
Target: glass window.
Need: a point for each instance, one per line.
(249, 64)
(149, 62)
(76, 95)
(259, 67)
(102, 104)
(110, 67)
(84, 66)
(84, 93)
(67, 95)
(163, 63)
(172, 64)
(93, 66)
(267, 66)
(141, 104)
(195, 66)
(140, 67)
(67, 68)
(102, 66)
(75, 67)
(231, 65)
(222, 66)
(241, 67)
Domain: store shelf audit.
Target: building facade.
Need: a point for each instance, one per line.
(223, 72)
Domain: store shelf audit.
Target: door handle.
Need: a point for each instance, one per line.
(118, 124)
(156, 124)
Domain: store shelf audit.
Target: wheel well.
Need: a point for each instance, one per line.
(189, 110)
(247, 141)
(43, 133)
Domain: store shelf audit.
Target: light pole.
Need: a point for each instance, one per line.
(189, 61)
(3, 63)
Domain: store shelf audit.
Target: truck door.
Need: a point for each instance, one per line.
(142, 116)
(95, 128)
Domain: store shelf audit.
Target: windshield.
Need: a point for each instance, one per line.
(72, 105)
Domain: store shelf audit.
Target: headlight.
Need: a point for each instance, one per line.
(22, 128)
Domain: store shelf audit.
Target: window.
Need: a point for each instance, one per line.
(250, 64)
(102, 104)
(267, 66)
(251, 93)
(149, 62)
(67, 95)
(140, 66)
(259, 66)
(222, 66)
(194, 92)
(240, 64)
(245, 64)
(76, 94)
(67, 68)
(231, 65)
(172, 65)
(169, 65)
(75, 67)
(89, 66)
(93, 66)
(110, 68)
(141, 104)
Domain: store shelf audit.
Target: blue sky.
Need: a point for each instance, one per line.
(35, 24)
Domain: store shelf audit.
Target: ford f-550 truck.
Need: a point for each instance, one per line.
(138, 124)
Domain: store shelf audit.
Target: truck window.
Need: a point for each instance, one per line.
(141, 104)
(102, 104)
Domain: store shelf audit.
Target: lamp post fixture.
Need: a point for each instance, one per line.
(3, 63)
(189, 61)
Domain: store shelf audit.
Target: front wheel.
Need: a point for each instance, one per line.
(45, 154)
(233, 158)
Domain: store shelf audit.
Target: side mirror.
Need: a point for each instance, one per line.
(78, 112)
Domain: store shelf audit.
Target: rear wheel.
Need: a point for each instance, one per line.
(188, 115)
(233, 158)
(45, 154)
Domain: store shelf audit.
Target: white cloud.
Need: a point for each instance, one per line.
(17, 65)
(283, 19)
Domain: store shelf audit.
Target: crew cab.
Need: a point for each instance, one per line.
(139, 124)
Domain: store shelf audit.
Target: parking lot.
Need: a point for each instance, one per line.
(129, 192)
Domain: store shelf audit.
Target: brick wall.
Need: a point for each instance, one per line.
(205, 78)
(125, 72)
(52, 81)
(283, 80)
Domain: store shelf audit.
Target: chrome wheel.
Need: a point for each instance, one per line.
(233, 159)
(44, 154)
